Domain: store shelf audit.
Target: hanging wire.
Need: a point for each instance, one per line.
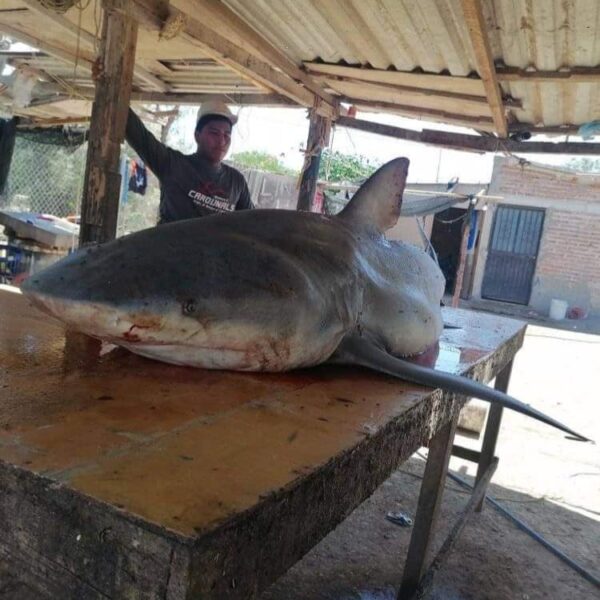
(426, 241)
(450, 221)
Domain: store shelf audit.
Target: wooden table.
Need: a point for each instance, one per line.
(127, 478)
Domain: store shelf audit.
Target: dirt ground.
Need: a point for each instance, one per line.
(551, 483)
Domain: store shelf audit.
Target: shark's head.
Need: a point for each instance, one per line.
(207, 292)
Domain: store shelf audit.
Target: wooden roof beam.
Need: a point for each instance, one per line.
(573, 75)
(215, 15)
(417, 112)
(544, 129)
(198, 98)
(84, 61)
(194, 99)
(485, 64)
(84, 36)
(417, 91)
(472, 143)
(149, 15)
(432, 81)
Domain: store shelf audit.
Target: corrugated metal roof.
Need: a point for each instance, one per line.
(431, 35)
(413, 40)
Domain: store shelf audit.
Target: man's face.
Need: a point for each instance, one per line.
(214, 140)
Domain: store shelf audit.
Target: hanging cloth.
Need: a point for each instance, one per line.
(138, 181)
(8, 130)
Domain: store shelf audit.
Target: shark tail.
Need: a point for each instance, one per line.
(360, 351)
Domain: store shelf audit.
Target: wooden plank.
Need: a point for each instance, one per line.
(473, 143)
(379, 128)
(84, 60)
(430, 81)
(477, 495)
(417, 92)
(87, 38)
(488, 144)
(480, 123)
(102, 186)
(238, 59)
(430, 499)
(462, 257)
(572, 75)
(485, 65)
(318, 137)
(466, 453)
(215, 15)
(144, 460)
(492, 428)
(194, 99)
(546, 130)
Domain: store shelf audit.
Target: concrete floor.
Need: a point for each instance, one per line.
(550, 482)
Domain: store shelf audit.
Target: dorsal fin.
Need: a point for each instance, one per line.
(378, 200)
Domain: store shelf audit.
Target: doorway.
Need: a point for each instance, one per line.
(512, 254)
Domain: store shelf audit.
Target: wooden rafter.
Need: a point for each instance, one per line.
(71, 30)
(414, 91)
(84, 60)
(484, 123)
(260, 73)
(573, 75)
(102, 185)
(485, 65)
(429, 81)
(216, 16)
(238, 99)
(473, 143)
(548, 130)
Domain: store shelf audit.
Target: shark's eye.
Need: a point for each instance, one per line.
(188, 307)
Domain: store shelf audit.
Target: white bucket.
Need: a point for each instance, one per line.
(558, 309)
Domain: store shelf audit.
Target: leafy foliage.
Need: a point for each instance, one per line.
(584, 164)
(337, 166)
(263, 161)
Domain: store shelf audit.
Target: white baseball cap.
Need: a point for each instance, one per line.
(216, 107)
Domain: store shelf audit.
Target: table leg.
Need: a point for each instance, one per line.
(430, 497)
(492, 429)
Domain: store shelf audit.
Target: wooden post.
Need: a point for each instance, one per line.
(492, 428)
(318, 137)
(100, 205)
(430, 499)
(460, 272)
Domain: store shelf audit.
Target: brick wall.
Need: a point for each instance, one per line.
(570, 246)
(512, 179)
(568, 264)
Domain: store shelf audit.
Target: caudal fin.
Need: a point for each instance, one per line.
(360, 351)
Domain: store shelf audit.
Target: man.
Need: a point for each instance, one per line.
(199, 184)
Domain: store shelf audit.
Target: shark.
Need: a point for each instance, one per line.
(269, 290)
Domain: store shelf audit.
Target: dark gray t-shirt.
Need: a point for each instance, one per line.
(190, 186)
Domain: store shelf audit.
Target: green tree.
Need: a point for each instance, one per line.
(584, 164)
(263, 161)
(337, 166)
